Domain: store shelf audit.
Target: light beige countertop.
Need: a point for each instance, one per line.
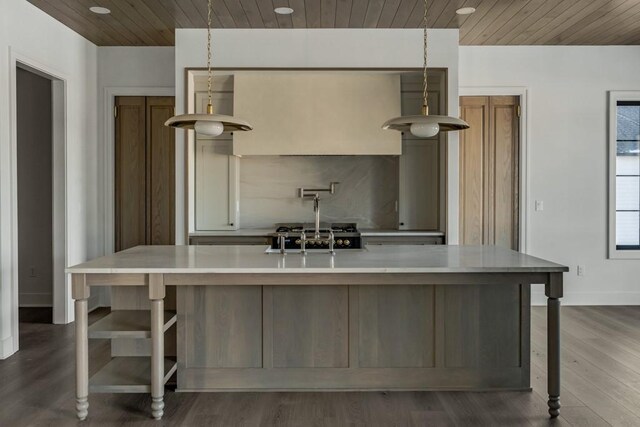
(399, 233)
(375, 259)
(242, 232)
(259, 232)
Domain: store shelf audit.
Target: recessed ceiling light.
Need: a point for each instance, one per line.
(283, 10)
(100, 10)
(466, 10)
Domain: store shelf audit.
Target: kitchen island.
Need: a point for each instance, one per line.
(385, 318)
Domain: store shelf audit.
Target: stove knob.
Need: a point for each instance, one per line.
(311, 242)
(339, 242)
(347, 242)
(326, 243)
(298, 241)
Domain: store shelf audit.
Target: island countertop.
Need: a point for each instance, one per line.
(375, 259)
(406, 317)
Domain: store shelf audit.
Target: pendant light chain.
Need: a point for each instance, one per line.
(209, 71)
(425, 125)
(208, 123)
(425, 106)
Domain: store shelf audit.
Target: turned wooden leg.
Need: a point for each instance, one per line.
(157, 358)
(554, 292)
(156, 293)
(81, 294)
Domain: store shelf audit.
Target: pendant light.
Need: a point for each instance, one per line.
(208, 124)
(425, 125)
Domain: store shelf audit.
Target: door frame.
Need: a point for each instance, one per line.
(523, 93)
(62, 301)
(108, 132)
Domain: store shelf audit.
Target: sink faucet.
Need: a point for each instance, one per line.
(314, 193)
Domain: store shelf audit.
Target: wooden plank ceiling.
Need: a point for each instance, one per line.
(495, 22)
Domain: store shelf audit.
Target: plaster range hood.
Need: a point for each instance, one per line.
(317, 113)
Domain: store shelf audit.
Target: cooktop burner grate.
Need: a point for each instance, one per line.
(346, 235)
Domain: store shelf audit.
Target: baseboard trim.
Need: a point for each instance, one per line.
(35, 299)
(590, 298)
(35, 306)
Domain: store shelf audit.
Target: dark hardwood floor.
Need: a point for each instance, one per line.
(601, 379)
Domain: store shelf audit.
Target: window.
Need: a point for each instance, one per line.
(624, 186)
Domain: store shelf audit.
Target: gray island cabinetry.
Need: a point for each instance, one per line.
(410, 317)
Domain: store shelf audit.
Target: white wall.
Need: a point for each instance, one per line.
(30, 34)
(135, 66)
(318, 48)
(567, 158)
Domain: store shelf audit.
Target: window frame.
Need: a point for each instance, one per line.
(614, 98)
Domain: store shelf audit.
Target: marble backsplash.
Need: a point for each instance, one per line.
(367, 192)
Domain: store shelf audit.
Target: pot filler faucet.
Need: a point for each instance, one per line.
(314, 193)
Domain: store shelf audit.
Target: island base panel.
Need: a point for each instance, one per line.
(358, 337)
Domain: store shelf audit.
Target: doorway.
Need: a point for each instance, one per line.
(35, 196)
(60, 310)
(490, 171)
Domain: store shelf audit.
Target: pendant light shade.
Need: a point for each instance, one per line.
(208, 124)
(425, 125)
(417, 122)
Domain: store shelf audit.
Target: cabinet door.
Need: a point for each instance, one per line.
(419, 185)
(161, 178)
(130, 173)
(489, 171)
(144, 172)
(422, 205)
(216, 186)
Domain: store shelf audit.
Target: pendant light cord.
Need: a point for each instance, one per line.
(425, 106)
(209, 70)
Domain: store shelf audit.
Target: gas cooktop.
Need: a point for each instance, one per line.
(345, 236)
(298, 227)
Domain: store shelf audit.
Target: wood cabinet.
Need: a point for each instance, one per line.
(216, 176)
(422, 165)
(216, 171)
(217, 182)
(489, 171)
(144, 172)
(352, 337)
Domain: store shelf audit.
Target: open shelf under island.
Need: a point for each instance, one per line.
(386, 318)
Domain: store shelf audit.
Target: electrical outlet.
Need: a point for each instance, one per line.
(539, 205)
(580, 270)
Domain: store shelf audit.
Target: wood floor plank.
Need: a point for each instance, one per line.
(595, 396)
(583, 417)
(626, 324)
(618, 388)
(464, 410)
(605, 344)
(600, 355)
(539, 386)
